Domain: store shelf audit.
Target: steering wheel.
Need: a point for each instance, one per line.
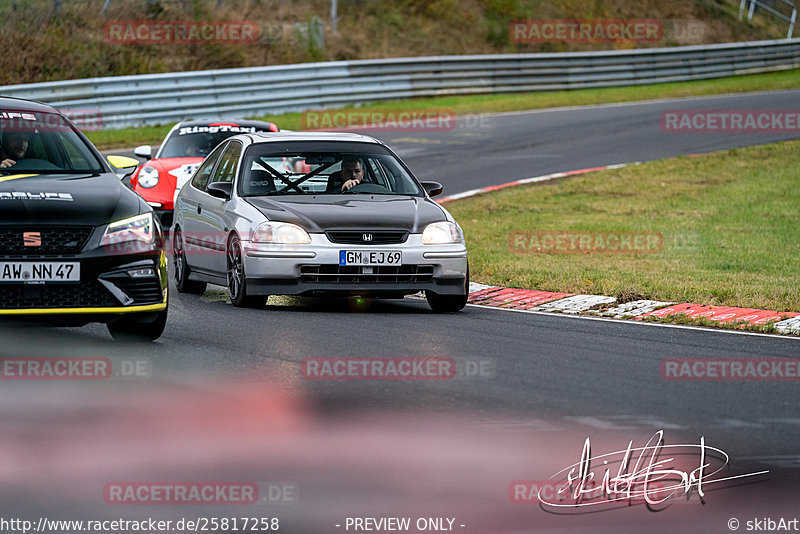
(367, 187)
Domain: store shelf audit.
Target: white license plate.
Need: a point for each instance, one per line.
(370, 257)
(39, 271)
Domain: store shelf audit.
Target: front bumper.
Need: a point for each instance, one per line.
(106, 290)
(314, 269)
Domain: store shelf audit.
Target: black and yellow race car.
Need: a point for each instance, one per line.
(76, 245)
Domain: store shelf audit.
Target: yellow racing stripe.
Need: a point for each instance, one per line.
(81, 311)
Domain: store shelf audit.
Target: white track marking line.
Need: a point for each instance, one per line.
(641, 323)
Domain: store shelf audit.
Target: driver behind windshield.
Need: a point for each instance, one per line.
(13, 147)
(350, 176)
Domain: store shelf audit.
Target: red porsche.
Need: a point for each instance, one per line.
(160, 178)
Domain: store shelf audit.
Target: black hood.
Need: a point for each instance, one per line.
(66, 199)
(317, 213)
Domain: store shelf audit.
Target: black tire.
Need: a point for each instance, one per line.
(448, 303)
(237, 280)
(129, 329)
(181, 268)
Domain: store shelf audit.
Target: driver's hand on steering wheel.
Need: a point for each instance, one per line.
(350, 183)
(352, 173)
(10, 162)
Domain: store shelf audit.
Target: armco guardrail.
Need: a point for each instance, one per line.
(123, 101)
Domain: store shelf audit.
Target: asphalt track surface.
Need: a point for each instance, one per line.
(224, 397)
(484, 151)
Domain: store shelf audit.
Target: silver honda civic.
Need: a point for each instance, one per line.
(306, 213)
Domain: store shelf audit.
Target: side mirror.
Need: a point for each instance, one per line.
(223, 190)
(144, 151)
(433, 188)
(123, 164)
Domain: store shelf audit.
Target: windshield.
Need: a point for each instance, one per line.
(199, 141)
(318, 173)
(42, 143)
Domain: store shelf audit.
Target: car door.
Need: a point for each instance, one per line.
(213, 208)
(189, 211)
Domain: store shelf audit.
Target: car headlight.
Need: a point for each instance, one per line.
(278, 232)
(148, 177)
(138, 228)
(442, 233)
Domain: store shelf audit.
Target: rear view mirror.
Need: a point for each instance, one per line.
(321, 159)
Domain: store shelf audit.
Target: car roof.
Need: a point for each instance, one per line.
(25, 105)
(312, 136)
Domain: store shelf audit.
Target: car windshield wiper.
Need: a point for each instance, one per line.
(85, 174)
(30, 171)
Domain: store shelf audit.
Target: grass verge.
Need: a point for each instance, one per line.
(463, 105)
(729, 224)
